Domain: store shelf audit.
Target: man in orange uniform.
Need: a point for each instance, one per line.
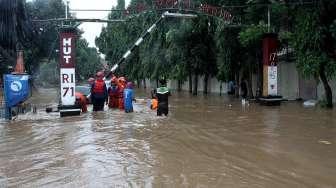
(113, 93)
(81, 101)
(121, 87)
(99, 93)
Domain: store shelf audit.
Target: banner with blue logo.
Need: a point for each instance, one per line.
(16, 89)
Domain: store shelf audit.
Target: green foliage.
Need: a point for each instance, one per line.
(309, 54)
(314, 43)
(208, 46)
(229, 52)
(88, 61)
(46, 38)
(251, 36)
(285, 37)
(49, 74)
(46, 42)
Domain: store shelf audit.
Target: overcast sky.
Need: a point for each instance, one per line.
(91, 30)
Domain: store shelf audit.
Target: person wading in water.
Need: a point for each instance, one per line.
(162, 94)
(99, 93)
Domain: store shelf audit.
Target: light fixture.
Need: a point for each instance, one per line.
(179, 15)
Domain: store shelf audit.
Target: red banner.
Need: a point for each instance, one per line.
(67, 49)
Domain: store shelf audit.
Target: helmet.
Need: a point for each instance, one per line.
(114, 79)
(163, 81)
(122, 79)
(100, 74)
(129, 85)
(91, 80)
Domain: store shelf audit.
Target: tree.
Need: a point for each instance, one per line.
(87, 60)
(229, 53)
(250, 38)
(15, 30)
(315, 51)
(46, 39)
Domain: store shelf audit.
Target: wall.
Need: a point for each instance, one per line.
(288, 81)
(213, 85)
(288, 84)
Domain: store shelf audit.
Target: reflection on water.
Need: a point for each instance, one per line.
(205, 142)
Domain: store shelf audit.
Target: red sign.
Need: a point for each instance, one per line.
(160, 4)
(67, 66)
(67, 49)
(270, 45)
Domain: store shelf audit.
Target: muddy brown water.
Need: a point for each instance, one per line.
(205, 142)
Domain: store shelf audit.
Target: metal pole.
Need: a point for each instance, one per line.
(268, 19)
(66, 10)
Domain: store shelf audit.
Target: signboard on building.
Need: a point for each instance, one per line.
(272, 87)
(270, 75)
(67, 67)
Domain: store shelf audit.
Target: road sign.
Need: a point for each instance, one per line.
(67, 66)
(68, 85)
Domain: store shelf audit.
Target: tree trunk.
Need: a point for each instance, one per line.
(205, 88)
(237, 84)
(179, 85)
(190, 82)
(249, 85)
(195, 84)
(144, 83)
(157, 83)
(326, 86)
(220, 88)
(138, 82)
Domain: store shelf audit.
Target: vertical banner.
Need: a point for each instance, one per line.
(67, 66)
(270, 72)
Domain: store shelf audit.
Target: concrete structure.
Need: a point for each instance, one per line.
(291, 85)
(213, 85)
(288, 80)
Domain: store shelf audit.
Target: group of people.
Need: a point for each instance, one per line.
(120, 95)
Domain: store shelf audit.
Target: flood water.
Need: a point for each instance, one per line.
(204, 142)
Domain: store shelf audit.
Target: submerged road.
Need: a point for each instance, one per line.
(205, 142)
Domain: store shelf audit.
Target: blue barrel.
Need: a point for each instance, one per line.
(16, 89)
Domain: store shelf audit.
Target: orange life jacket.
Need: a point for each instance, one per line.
(98, 87)
(82, 101)
(154, 104)
(121, 91)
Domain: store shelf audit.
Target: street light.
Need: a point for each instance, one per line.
(179, 15)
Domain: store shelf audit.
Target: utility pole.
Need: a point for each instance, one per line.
(268, 19)
(66, 9)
